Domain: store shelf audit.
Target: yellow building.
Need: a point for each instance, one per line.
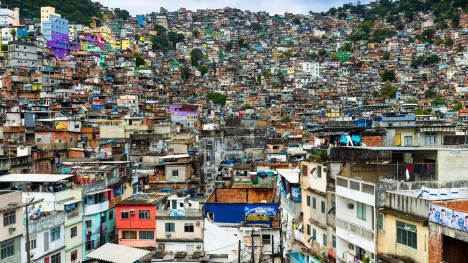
(106, 33)
(46, 12)
(402, 230)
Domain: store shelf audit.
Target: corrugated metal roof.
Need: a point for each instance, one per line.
(118, 254)
(289, 174)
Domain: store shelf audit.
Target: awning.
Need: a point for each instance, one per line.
(97, 191)
(291, 175)
(118, 254)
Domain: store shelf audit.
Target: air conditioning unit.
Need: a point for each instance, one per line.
(132, 211)
(197, 223)
(168, 235)
(198, 247)
(11, 229)
(351, 206)
(351, 246)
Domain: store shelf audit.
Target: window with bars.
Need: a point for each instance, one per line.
(188, 227)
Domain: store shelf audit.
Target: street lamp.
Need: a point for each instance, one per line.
(29, 201)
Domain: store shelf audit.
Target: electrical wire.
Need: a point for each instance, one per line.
(224, 247)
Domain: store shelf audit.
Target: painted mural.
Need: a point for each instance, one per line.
(260, 213)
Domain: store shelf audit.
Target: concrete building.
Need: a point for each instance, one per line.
(180, 225)
(46, 12)
(23, 54)
(11, 230)
(9, 17)
(54, 25)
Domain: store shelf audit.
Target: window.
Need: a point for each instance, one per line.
(380, 222)
(406, 234)
(32, 243)
(124, 214)
(129, 235)
(74, 255)
(55, 258)
(304, 167)
(73, 232)
(7, 250)
(334, 241)
(89, 245)
(308, 229)
(9, 218)
(188, 227)
(314, 203)
(144, 214)
(431, 138)
(88, 223)
(266, 239)
(324, 241)
(322, 208)
(146, 235)
(55, 233)
(408, 140)
(111, 214)
(161, 247)
(361, 211)
(175, 173)
(308, 200)
(170, 227)
(314, 234)
(319, 171)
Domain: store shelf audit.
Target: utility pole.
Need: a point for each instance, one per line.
(239, 252)
(253, 248)
(29, 201)
(281, 241)
(272, 248)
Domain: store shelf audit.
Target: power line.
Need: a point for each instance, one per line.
(224, 247)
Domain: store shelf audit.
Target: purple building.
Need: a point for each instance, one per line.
(184, 114)
(61, 45)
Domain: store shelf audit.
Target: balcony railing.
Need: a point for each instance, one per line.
(188, 213)
(353, 228)
(94, 186)
(355, 185)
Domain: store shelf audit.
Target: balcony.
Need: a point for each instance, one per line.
(355, 234)
(96, 208)
(358, 190)
(94, 186)
(46, 222)
(189, 213)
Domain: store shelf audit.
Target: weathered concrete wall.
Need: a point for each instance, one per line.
(241, 195)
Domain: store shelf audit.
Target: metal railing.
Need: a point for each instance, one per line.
(353, 228)
(355, 185)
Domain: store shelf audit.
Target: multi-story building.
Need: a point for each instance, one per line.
(180, 225)
(23, 54)
(11, 230)
(136, 220)
(9, 17)
(54, 25)
(46, 12)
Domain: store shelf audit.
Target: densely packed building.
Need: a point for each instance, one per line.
(222, 135)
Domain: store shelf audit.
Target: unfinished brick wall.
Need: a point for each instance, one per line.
(435, 245)
(372, 141)
(240, 195)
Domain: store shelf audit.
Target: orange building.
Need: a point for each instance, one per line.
(136, 220)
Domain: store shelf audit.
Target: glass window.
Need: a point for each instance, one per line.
(175, 173)
(55, 258)
(334, 241)
(144, 214)
(89, 245)
(32, 243)
(314, 203)
(74, 255)
(380, 222)
(147, 235)
(308, 200)
(323, 207)
(170, 227)
(319, 171)
(308, 229)
(431, 138)
(9, 218)
(361, 211)
(408, 140)
(55, 233)
(124, 214)
(324, 241)
(73, 232)
(111, 214)
(88, 223)
(129, 235)
(7, 250)
(188, 227)
(314, 234)
(406, 234)
(266, 239)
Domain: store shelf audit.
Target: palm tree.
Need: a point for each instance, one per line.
(13, 33)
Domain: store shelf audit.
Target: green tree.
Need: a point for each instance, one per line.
(203, 69)
(160, 41)
(196, 55)
(195, 33)
(433, 59)
(429, 94)
(185, 72)
(448, 42)
(412, 100)
(4, 47)
(256, 26)
(13, 33)
(458, 106)
(242, 43)
(424, 76)
(388, 90)
(388, 75)
(286, 118)
(347, 46)
(217, 98)
(139, 60)
(439, 101)
(322, 52)
(175, 38)
(386, 56)
(228, 46)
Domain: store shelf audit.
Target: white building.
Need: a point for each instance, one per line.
(312, 69)
(9, 17)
